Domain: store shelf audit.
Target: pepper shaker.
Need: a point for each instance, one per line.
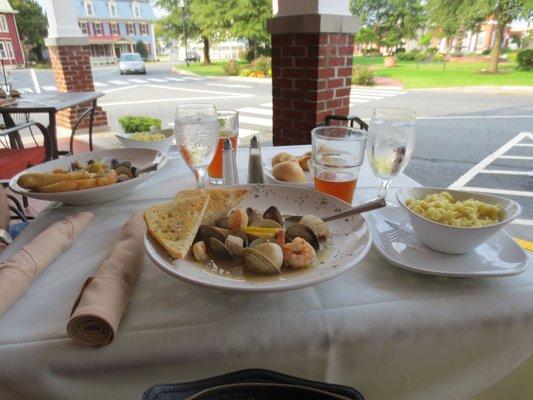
(229, 165)
(255, 162)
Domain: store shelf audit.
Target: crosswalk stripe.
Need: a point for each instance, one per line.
(25, 90)
(192, 78)
(266, 104)
(377, 92)
(156, 80)
(175, 79)
(99, 84)
(364, 96)
(353, 101)
(117, 82)
(229, 86)
(253, 110)
(49, 88)
(245, 119)
(243, 132)
(135, 80)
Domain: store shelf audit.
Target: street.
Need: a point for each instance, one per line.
(473, 140)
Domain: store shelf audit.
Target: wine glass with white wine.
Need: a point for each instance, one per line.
(390, 143)
(196, 129)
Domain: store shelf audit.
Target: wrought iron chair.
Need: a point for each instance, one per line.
(350, 118)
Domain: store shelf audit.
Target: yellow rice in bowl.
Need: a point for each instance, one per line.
(444, 208)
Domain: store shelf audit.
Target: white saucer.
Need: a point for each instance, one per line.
(498, 256)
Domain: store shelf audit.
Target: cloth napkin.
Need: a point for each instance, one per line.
(18, 273)
(103, 298)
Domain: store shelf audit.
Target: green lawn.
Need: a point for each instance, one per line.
(426, 75)
(213, 69)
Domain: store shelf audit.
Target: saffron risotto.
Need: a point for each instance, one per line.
(442, 207)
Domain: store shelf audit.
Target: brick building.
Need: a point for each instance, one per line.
(10, 46)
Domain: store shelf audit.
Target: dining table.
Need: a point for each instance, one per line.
(388, 332)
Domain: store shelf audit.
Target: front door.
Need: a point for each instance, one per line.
(117, 51)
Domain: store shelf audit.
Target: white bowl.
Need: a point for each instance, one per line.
(160, 145)
(139, 158)
(452, 239)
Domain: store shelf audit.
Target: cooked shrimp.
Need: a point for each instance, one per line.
(237, 219)
(199, 251)
(298, 253)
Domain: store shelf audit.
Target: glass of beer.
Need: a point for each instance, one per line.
(337, 155)
(229, 129)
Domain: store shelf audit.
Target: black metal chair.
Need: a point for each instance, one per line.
(350, 118)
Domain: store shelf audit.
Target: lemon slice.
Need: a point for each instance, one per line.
(264, 233)
(526, 244)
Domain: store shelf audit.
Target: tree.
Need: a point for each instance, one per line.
(392, 21)
(248, 19)
(141, 49)
(366, 36)
(32, 27)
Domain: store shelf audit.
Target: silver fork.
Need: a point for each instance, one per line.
(404, 233)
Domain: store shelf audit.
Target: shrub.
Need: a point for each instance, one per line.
(433, 50)
(399, 50)
(245, 72)
(409, 56)
(486, 52)
(141, 49)
(524, 58)
(231, 68)
(439, 57)
(362, 75)
(138, 123)
(511, 56)
(261, 66)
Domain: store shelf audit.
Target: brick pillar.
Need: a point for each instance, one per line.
(72, 72)
(311, 73)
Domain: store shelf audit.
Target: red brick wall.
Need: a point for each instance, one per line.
(311, 78)
(15, 41)
(72, 72)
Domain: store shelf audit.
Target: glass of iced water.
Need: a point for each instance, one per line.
(391, 139)
(196, 129)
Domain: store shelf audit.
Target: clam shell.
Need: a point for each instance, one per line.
(303, 232)
(234, 244)
(219, 251)
(205, 232)
(257, 261)
(316, 224)
(272, 213)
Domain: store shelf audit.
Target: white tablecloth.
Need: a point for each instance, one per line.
(390, 333)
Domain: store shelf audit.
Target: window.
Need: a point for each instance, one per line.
(84, 28)
(112, 8)
(98, 30)
(136, 9)
(144, 29)
(114, 29)
(6, 50)
(130, 28)
(89, 8)
(3, 24)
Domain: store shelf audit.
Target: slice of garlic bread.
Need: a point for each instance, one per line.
(174, 225)
(220, 203)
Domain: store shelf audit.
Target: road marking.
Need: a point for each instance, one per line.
(245, 119)
(266, 104)
(479, 117)
(98, 73)
(524, 145)
(243, 132)
(517, 157)
(175, 79)
(376, 92)
(192, 78)
(49, 88)
(363, 96)
(229, 86)
(253, 110)
(117, 82)
(35, 81)
(99, 84)
(520, 221)
(467, 177)
(170, 100)
(201, 91)
(498, 191)
(119, 89)
(135, 80)
(506, 172)
(353, 101)
(155, 80)
(25, 90)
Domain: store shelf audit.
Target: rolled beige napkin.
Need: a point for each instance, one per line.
(103, 298)
(18, 273)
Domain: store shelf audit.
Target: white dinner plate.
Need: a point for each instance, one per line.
(498, 256)
(351, 241)
(139, 158)
(267, 170)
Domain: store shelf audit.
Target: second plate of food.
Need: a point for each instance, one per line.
(289, 169)
(345, 243)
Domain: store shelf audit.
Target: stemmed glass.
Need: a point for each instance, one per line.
(196, 129)
(390, 143)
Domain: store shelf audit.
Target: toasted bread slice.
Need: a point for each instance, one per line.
(174, 224)
(34, 180)
(67, 186)
(220, 203)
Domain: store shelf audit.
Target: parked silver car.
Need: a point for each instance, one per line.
(131, 63)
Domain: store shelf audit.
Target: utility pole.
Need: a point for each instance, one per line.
(182, 5)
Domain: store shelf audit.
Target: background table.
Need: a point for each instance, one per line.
(390, 333)
(49, 104)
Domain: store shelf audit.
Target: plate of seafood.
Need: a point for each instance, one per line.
(254, 238)
(89, 178)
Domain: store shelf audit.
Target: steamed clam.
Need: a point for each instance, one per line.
(319, 227)
(265, 258)
(219, 251)
(304, 232)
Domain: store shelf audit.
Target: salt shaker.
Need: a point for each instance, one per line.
(255, 163)
(229, 165)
